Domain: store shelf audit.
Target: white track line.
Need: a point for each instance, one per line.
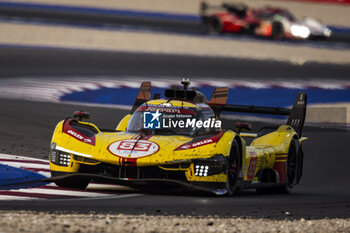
(100, 198)
(50, 190)
(17, 198)
(52, 88)
(59, 192)
(24, 165)
(7, 156)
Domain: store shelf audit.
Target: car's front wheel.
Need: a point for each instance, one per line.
(215, 26)
(73, 182)
(277, 32)
(233, 169)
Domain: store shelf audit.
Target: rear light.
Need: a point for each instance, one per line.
(53, 156)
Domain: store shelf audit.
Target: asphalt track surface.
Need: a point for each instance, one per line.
(26, 128)
(43, 62)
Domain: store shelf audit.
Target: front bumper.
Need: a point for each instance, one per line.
(216, 188)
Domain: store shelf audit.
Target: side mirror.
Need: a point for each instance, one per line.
(245, 126)
(81, 115)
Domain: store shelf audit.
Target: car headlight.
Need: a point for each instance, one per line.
(60, 158)
(327, 32)
(300, 31)
(211, 166)
(201, 170)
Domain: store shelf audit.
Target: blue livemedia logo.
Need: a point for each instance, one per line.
(151, 120)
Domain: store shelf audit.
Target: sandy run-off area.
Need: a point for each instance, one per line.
(21, 221)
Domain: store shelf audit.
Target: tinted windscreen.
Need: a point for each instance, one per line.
(169, 120)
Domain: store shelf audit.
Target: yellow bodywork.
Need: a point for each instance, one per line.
(263, 150)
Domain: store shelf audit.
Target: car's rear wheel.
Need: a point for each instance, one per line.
(233, 169)
(277, 30)
(291, 171)
(292, 161)
(215, 26)
(77, 183)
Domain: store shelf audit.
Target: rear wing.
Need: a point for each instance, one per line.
(218, 101)
(296, 114)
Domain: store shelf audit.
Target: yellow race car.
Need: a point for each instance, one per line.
(178, 142)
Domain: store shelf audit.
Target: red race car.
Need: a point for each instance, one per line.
(268, 21)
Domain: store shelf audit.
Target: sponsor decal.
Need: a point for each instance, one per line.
(133, 148)
(251, 168)
(77, 135)
(206, 141)
(151, 120)
(180, 119)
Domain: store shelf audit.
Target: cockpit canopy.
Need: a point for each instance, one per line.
(175, 117)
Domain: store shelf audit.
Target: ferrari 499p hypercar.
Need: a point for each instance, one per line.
(272, 22)
(179, 142)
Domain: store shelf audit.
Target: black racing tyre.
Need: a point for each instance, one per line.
(300, 164)
(277, 30)
(77, 183)
(215, 25)
(233, 169)
(292, 161)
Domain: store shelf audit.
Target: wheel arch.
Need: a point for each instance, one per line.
(241, 149)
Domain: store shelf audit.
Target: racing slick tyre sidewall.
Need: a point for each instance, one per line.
(215, 26)
(277, 30)
(300, 164)
(77, 183)
(291, 169)
(233, 169)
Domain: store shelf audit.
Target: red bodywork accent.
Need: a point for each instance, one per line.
(127, 161)
(203, 142)
(251, 168)
(132, 161)
(252, 19)
(230, 22)
(281, 168)
(67, 129)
